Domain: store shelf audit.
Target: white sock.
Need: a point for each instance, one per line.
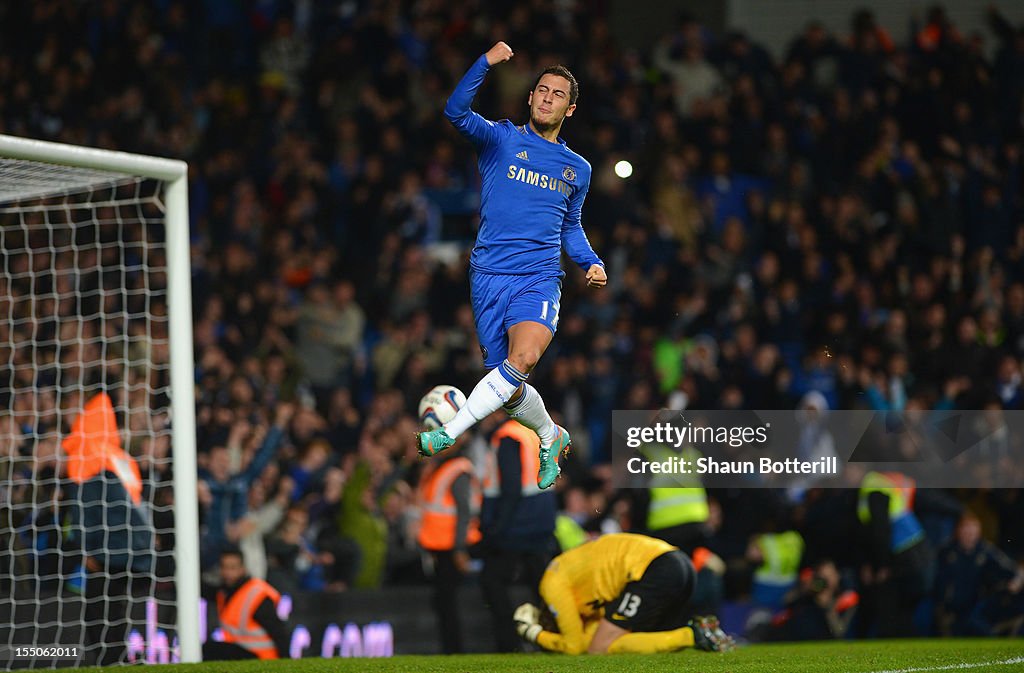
(529, 410)
(493, 391)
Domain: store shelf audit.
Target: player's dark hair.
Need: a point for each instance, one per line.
(231, 550)
(562, 71)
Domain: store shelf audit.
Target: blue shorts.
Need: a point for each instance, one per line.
(500, 301)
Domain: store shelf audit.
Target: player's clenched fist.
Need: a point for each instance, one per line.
(596, 276)
(499, 53)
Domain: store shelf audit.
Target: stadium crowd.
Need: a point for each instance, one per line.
(844, 221)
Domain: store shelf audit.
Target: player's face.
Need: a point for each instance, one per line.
(549, 102)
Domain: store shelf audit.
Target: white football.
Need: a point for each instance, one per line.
(440, 406)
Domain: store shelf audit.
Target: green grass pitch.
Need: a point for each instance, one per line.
(893, 656)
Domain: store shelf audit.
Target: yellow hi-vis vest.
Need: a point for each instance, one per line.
(676, 499)
(677, 506)
(906, 529)
(782, 553)
(568, 533)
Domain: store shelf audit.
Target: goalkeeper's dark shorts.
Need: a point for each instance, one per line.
(657, 601)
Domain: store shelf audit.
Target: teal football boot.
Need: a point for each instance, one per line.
(549, 469)
(433, 442)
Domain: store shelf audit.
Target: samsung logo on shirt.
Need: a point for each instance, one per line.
(538, 180)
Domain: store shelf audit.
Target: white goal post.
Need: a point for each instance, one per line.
(172, 197)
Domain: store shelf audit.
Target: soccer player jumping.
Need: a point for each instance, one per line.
(531, 198)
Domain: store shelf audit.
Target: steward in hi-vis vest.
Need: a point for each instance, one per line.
(677, 509)
(442, 526)
(517, 515)
(779, 556)
(904, 529)
(117, 534)
(110, 527)
(449, 500)
(897, 569)
(247, 613)
(237, 607)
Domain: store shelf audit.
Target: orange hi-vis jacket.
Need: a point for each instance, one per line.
(236, 617)
(529, 457)
(440, 518)
(94, 446)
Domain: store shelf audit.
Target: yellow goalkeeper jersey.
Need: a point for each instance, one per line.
(597, 571)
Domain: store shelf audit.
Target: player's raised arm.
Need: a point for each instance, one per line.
(458, 111)
(575, 243)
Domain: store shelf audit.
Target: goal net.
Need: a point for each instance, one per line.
(94, 466)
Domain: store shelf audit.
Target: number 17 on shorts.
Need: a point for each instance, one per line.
(549, 313)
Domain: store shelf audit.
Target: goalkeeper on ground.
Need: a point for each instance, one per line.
(620, 593)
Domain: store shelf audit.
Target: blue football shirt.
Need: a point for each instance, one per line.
(532, 191)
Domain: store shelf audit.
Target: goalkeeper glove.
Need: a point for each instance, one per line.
(527, 618)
